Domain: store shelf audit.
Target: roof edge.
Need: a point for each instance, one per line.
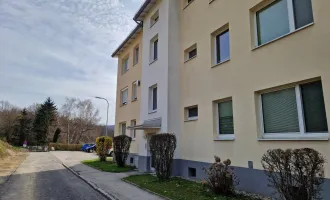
(141, 9)
(138, 26)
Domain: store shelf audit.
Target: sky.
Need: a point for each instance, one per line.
(62, 48)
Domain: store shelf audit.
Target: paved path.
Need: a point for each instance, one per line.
(108, 182)
(42, 177)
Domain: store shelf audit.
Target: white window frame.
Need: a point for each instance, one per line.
(136, 55)
(152, 41)
(151, 102)
(154, 18)
(188, 50)
(302, 134)
(122, 96)
(216, 50)
(135, 90)
(121, 128)
(187, 113)
(216, 107)
(133, 131)
(291, 18)
(124, 68)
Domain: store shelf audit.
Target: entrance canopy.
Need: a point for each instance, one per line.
(155, 123)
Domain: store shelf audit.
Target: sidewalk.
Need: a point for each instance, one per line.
(110, 183)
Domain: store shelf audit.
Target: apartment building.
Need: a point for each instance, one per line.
(129, 88)
(249, 76)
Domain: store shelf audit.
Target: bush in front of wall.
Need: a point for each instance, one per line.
(121, 145)
(162, 147)
(221, 178)
(103, 144)
(295, 173)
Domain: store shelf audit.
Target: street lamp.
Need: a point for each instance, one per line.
(106, 125)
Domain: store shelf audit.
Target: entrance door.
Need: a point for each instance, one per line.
(150, 156)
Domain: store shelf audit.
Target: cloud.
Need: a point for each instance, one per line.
(62, 48)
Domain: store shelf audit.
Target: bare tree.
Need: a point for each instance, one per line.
(8, 116)
(78, 119)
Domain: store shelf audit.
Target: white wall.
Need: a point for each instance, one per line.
(158, 72)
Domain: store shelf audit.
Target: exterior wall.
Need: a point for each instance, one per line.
(130, 111)
(299, 56)
(163, 71)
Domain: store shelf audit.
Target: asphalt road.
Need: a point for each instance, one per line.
(42, 177)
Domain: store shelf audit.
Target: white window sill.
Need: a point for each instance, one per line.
(188, 5)
(211, 1)
(150, 112)
(133, 139)
(153, 61)
(124, 72)
(191, 119)
(227, 137)
(215, 65)
(190, 59)
(283, 36)
(135, 99)
(135, 63)
(295, 136)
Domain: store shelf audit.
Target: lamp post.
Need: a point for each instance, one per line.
(106, 125)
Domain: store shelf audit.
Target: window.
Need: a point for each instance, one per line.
(225, 118)
(191, 172)
(124, 96)
(192, 113)
(187, 3)
(123, 128)
(154, 18)
(124, 66)
(131, 160)
(191, 52)
(134, 90)
(295, 110)
(282, 17)
(222, 47)
(136, 55)
(133, 133)
(153, 98)
(154, 49)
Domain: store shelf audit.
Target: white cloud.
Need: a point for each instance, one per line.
(62, 48)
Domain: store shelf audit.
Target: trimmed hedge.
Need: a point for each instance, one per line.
(65, 147)
(121, 146)
(103, 144)
(162, 147)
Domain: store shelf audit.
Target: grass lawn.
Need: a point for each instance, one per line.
(177, 188)
(107, 166)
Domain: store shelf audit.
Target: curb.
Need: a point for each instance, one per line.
(149, 191)
(94, 186)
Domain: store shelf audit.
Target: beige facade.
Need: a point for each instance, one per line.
(297, 57)
(126, 113)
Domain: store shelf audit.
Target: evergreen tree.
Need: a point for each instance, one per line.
(23, 128)
(45, 117)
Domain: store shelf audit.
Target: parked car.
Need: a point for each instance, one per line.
(88, 148)
(110, 152)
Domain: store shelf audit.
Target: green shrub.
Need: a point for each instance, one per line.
(295, 173)
(162, 147)
(221, 179)
(121, 145)
(65, 147)
(103, 144)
